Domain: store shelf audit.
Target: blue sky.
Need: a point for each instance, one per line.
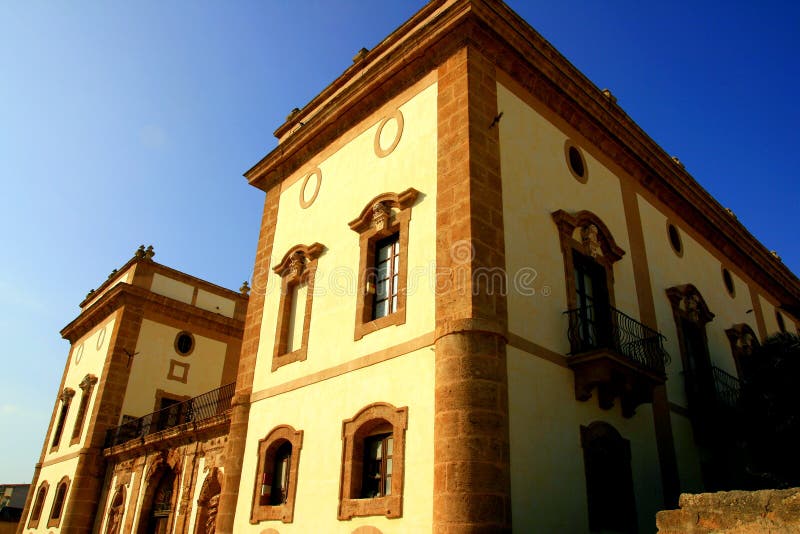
(124, 123)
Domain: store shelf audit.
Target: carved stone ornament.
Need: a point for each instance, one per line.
(297, 264)
(589, 238)
(381, 213)
(67, 394)
(687, 301)
(87, 382)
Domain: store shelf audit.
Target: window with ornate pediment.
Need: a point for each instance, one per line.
(276, 476)
(691, 316)
(87, 386)
(296, 269)
(374, 458)
(66, 400)
(589, 253)
(744, 342)
(383, 262)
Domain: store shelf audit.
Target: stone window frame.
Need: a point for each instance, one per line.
(383, 216)
(267, 447)
(54, 522)
(744, 341)
(38, 504)
(354, 433)
(87, 387)
(590, 433)
(571, 147)
(598, 245)
(688, 304)
(781, 323)
(298, 266)
(58, 432)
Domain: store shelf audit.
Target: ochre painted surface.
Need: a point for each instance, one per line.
(163, 285)
(215, 303)
(548, 483)
(87, 356)
(319, 411)
(351, 177)
(53, 475)
(150, 367)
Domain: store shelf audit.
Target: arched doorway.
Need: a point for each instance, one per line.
(157, 507)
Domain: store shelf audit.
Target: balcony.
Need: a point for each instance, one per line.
(203, 407)
(727, 388)
(615, 354)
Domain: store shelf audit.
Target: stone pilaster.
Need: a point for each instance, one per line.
(471, 438)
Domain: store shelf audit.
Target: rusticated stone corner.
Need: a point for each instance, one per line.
(734, 512)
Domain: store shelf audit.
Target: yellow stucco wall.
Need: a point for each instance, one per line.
(351, 177)
(215, 303)
(536, 183)
(150, 367)
(701, 268)
(548, 483)
(319, 411)
(87, 356)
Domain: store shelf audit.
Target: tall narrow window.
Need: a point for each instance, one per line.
(276, 477)
(66, 399)
(691, 316)
(296, 269)
(383, 227)
(58, 503)
(609, 479)
(590, 253)
(86, 385)
(386, 277)
(38, 504)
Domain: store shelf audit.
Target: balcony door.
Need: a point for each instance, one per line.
(591, 297)
(699, 377)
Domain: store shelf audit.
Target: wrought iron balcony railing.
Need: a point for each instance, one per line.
(196, 409)
(727, 387)
(593, 328)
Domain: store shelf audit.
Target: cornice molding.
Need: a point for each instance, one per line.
(145, 302)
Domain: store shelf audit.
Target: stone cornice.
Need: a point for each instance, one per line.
(146, 303)
(518, 50)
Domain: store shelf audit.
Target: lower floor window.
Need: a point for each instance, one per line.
(377, 466)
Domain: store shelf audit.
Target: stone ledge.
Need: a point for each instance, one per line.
(734, 512)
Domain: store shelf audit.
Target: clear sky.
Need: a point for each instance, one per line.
(128, 123)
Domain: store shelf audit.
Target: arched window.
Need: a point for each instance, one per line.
(38, 504)
(372, 472)
(57, 511)
(276, 478)
(609, 479)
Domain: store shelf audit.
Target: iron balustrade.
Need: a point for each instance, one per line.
(593, 328)
(727, 387)
(194, 410)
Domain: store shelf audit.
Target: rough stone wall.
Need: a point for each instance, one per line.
(734, 512)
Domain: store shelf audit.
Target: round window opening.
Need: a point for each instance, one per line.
(728, 281)
(576, 162)
(675, 239)
(184, 343)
